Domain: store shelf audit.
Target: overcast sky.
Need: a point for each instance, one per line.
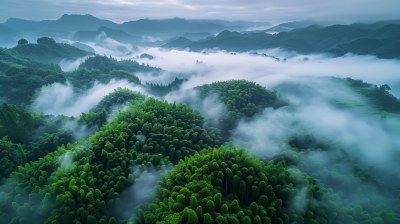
(253, 10)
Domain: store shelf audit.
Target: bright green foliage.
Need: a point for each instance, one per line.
(109, 105)
(88, 177)
(27, 191)
(229, 185)
(11, 155)
(190, 216)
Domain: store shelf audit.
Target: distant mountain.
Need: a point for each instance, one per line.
(67, 23)
(381, 39)
(83, 47)
(179, 43)
(142, 31)
(197, 36)
(117, 35)
(168, 27)
(289, 26)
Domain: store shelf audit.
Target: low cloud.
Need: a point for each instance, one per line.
(71, 65)
(348, 147)
(210, 107)
(208, 67)
(143, 189)
(105, 45)
(65, 161)
(61, 99)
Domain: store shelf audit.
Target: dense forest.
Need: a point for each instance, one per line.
(135, 157)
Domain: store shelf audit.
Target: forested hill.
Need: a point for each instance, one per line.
(21, 77)
(46, 50)
(379, 39)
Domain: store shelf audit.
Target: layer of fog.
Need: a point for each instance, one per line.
(142, 190)
(65, 161)
(105, 45)
(271, 68)
(26, 206)
(71, 65)
(62, 99)
(210, 107)
(349, 142)
(266, 67)
(357, 137)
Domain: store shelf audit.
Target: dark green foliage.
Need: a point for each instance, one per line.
(17, 123)
(84, 78)
(37, 135)
(11, 59)
(147, 56)
(242, 98)
(19, 85)
(11, 155)
(162, 90)
(47, 143)
(46, 41)
(20, 77)
(103, 69)
(107, 64)
(376, 95)
(48, 51)
(22, 41)
(380, 39)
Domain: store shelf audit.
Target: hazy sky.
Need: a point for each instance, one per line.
(255, 10)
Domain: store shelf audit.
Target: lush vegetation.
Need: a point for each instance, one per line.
(21, 77)
(145, 160)
(242, 98)
(225, 186)
(378, 96)
(103, 69)
(48, 51)
(93, 173)
(109, 106)
(162, 90)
